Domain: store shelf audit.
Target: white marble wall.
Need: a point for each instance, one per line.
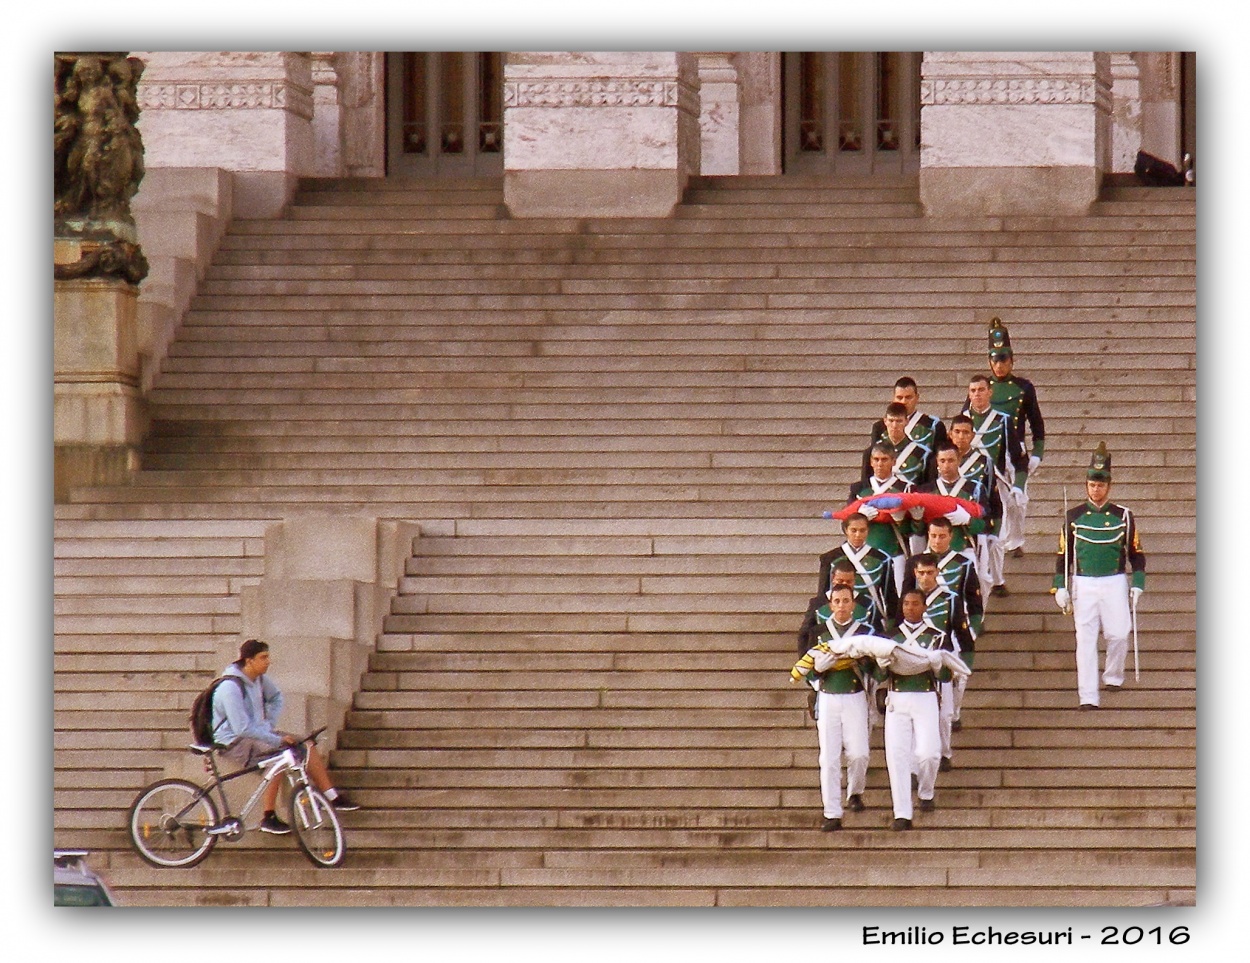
(720, 122)
(599, 134)
(992, 124)
(249, 113)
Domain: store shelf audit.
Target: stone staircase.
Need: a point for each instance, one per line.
(618, 437)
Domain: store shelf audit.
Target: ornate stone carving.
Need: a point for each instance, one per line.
(218, 96)
(599, 93)
(98, 162)
(120, 259)
(1027, 90)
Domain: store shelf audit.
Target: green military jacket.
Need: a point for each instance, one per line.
(888, 537)
(927, 638)
(1098, 542)
(851, 678)
(1018, 399)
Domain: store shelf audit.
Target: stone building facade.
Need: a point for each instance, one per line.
(609, 134)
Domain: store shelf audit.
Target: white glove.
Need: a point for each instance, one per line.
(959, 516)
(868, 512)
(916, 512)
(1063, 599)
(1135, 593)
(1035, 462)
(823, 661)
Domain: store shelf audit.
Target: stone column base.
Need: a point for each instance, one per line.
(591, 193)
(1008, 191)
(76, 466)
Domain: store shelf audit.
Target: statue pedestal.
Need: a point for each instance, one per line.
(97, 411)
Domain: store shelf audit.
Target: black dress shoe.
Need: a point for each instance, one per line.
(1017, 552)
(900, 824)
(956, 725)
(1086, 705)
(926, 805)
(945, 765)
(855, 804)
(1000, 591)
(1113, 688)
(829, 825)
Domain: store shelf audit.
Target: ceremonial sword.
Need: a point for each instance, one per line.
(1064, 539)
(1136, 675)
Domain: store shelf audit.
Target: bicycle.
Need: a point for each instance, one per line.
(175, 823)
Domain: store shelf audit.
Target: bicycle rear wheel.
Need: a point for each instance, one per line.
(169, 823)
(317, 827)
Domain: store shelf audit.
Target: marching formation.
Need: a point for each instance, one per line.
(891, 632)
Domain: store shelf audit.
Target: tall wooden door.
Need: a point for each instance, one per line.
(852, 114)
(444, 114)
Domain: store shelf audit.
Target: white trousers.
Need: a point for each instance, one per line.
(989, 563)
(960, 686)
(1012, 532)
(946, 713)
(911, 743)
(900, 569)
(842, 727)
(1100, 604)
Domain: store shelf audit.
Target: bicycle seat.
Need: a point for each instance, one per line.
(200, 750)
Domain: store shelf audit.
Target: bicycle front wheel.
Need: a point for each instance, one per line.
(169, 823)
(317, 827)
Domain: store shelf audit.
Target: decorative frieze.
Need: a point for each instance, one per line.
(1014, 90)
(219, 96)
(616, 92)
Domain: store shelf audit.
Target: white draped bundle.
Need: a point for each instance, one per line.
(901, 658)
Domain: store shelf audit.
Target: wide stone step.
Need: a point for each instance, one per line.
(386, 266)
(583, 696)
(1121, 288)
(844, 261)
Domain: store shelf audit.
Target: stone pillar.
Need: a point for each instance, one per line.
(1014, 133)
(759, 83)
(1125, 113)
(327, 118)
(327, 586)
(248, 113)
(362, 109)
(719, 119)
(1160, 83)
(98, 415)
(599, 134)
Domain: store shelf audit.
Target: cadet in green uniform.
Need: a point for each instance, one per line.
(890, 530)
(964, 528)
(870, 574)
(995, 433)
(841, 707)
(975, 465)
(957, 572)
(914, 459)
(1016, 397)
(944, 613)
(926, 429)
(912, 742)
(1098, 549)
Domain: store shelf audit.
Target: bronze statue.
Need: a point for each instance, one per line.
(98, 161)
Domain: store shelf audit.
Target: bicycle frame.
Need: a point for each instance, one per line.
(283, 762)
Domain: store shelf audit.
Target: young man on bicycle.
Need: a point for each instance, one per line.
(244, 717)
